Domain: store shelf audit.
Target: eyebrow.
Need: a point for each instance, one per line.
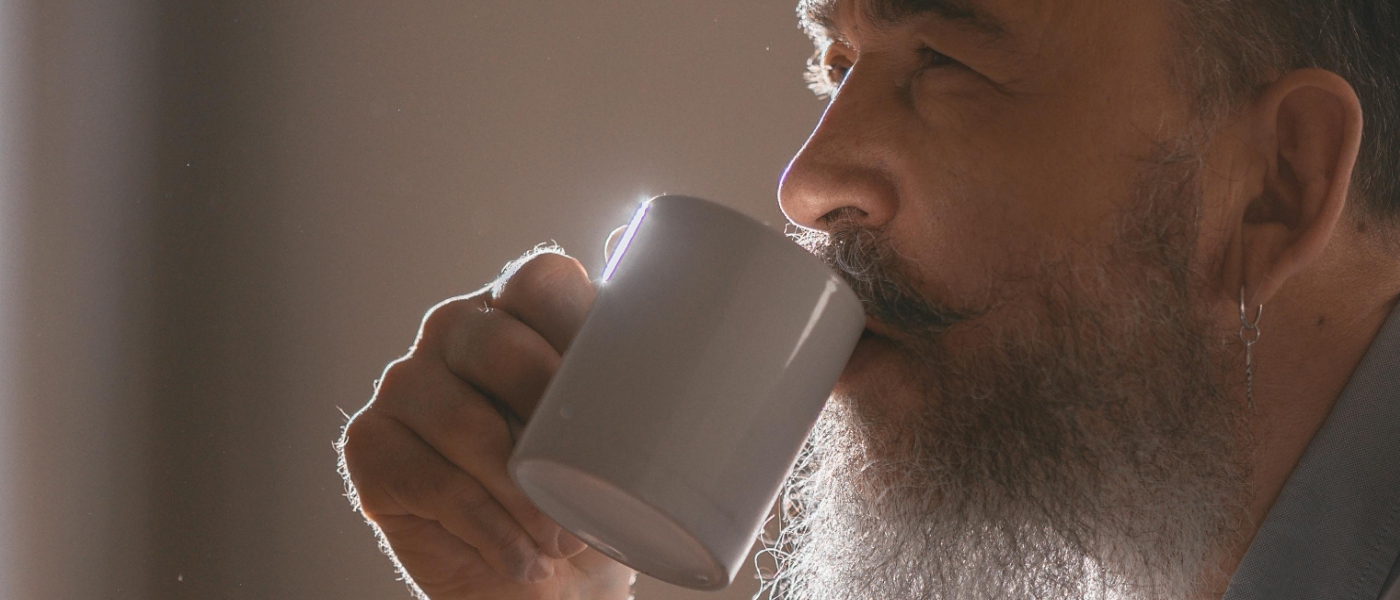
(818, 17)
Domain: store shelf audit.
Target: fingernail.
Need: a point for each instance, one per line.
(539, 571)
(569, 545)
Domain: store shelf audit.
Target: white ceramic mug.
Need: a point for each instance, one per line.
(665, 436)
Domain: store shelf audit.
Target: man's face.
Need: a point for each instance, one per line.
(984, 149)
(1022, 195)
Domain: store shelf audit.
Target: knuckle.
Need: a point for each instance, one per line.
(498, 353)
(490, 342)
(470, 500)
(521, 559)
(476, 504)
(544, 274)
(498, 535)
(481, 428)
(509, 354)
(549, 262)
(512, 543)
(532, 513)
(361, 434)
(475, 434)
(446, 316)
(393, 377)
(533, 519)
(515, 549)
(361, 450)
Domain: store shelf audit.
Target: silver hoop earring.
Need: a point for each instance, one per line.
(1249, 335)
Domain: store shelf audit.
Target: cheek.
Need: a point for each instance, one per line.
(993, 185)
(981, 219)
(971, 225)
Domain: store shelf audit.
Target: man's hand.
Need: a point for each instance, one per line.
(427, 457)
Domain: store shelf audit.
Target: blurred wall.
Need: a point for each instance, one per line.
(12, 43)
(219, 219)
(79, 126)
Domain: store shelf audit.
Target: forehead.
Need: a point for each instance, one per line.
(828, 19)
(1018, 24)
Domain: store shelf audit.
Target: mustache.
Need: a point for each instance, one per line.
(888, 288)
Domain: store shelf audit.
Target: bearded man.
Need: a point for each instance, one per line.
(1066, 219)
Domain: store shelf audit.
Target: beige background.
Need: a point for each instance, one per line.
(219, 219)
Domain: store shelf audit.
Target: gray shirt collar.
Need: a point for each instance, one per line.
(1334, 531)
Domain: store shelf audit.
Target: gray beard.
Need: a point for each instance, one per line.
(1094, 452)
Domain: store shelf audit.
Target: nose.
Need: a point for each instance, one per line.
(845, 165)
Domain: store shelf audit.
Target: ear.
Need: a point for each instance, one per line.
(1307, 128)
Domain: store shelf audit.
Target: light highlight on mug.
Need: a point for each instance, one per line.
(625, 241)
(831, 287)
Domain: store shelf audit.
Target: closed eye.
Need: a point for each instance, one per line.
(928, 57)
(826, 70)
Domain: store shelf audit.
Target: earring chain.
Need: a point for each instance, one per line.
(1249, 335)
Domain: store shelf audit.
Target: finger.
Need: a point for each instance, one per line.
(462, 426)
(551, 294)
(444, 567)
(439, 563)
(496, 353)
(402, 475)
